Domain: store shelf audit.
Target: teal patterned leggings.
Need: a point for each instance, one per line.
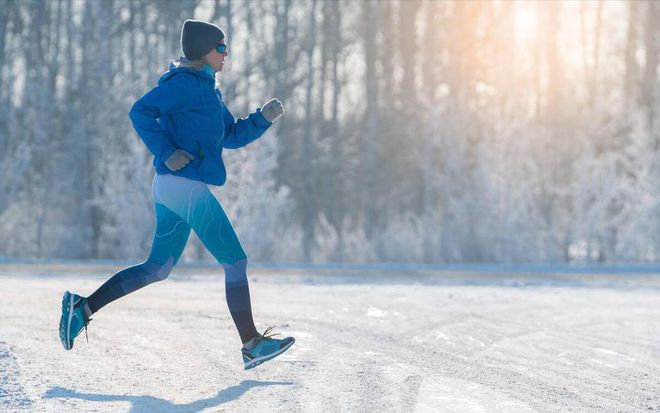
(181, 204)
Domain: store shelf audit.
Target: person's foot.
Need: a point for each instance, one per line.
(265, 348)
(73, 318)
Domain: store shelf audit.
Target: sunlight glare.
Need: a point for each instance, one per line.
(525, 22)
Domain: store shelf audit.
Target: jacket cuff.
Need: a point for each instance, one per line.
(166, 152)
(260, 120)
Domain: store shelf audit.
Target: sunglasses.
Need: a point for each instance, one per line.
(221, 48)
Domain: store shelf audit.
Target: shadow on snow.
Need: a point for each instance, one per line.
(155, 404)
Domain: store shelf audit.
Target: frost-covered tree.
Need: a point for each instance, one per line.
(415, 130)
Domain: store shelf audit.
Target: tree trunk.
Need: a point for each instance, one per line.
(369, 12)
(630, 79)
(650, 70)
(307, 154)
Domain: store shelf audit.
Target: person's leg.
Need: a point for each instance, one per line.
(170, 238)
(193, 201)
(214, 229)
(237, 293)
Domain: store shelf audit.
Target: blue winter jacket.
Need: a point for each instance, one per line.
(186, 111)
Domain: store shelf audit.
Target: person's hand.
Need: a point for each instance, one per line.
(178, 159)
(272, 110)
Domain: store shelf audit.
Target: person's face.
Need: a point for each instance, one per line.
(216, 59)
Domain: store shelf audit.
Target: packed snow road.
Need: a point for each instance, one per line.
(366, 341)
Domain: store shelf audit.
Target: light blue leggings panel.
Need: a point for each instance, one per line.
(181, 204)
(193, 202)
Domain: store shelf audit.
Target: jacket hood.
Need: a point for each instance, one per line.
(173, 70)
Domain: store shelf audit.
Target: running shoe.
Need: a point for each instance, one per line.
(265, 348)
(73, 319)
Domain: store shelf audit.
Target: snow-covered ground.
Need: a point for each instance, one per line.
(396, 340)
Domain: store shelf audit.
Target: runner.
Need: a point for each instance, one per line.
(185, 124)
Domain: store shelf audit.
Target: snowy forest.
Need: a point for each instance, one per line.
(415, 131)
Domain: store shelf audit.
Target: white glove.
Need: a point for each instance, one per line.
(178, 159)
(272, 110)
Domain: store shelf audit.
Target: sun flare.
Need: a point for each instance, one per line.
(526, 21)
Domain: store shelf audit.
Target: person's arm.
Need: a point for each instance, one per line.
(169, 97)
(239, 133)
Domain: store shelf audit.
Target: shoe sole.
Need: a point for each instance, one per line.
(67, 301)
(259, 360)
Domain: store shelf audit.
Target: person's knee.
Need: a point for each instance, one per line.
(242, 256)
(236, 272)
(159, 271)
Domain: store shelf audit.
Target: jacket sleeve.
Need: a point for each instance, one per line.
(239, 133)
(169, 97)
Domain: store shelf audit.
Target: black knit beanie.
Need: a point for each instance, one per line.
(198, 38)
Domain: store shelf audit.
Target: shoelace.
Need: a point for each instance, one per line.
(85, 327)
(86, 320)
(266, 335)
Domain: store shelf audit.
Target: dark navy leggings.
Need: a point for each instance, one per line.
(181, 204)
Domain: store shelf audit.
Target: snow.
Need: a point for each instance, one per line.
(366, 340)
